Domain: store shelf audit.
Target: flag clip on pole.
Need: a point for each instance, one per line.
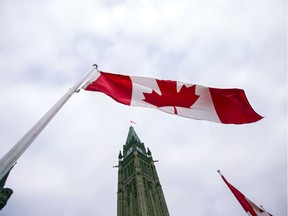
(10, 158)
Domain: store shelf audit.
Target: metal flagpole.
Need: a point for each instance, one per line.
(10, 158)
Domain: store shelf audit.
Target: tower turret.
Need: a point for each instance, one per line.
(5, 193)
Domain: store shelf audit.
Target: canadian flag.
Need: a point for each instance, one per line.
(250, 208)
(227, 106)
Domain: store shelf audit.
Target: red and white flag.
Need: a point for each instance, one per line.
(250, 208)
(227, 106)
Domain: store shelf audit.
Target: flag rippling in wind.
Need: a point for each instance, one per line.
(227, 106)
(250, 208)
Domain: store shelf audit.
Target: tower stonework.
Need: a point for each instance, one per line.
(139, 189)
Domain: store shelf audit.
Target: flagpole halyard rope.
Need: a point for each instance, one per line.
(11, 157)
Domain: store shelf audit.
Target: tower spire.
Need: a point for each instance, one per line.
(132, 136)
(5, 193)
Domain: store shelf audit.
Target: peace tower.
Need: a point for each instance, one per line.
(139, 189)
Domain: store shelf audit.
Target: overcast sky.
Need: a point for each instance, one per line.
(47, 46)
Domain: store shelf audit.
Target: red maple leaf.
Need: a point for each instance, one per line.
(169, 96)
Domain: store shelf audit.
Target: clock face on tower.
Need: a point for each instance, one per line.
(140, 150)
(129, 151)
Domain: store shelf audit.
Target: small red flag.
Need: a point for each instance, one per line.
(249, 207)
(227, 106)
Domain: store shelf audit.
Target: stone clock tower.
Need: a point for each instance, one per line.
(139, 189)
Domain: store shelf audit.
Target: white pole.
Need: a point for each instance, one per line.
(10, 158)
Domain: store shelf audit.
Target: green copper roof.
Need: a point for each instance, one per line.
(3, 180)
(132, 135)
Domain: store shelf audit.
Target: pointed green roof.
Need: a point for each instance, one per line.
(132, 136)
(3, 180)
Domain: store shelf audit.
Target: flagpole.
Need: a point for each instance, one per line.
(10, 158)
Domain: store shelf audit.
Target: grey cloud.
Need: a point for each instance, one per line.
(46, 46)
